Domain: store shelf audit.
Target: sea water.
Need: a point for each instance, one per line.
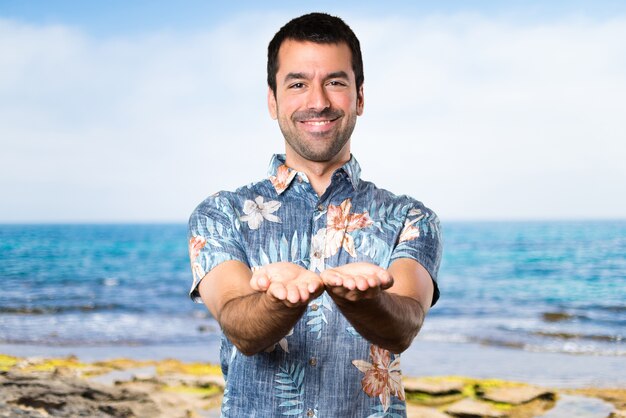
(541, 286)
(550, 287)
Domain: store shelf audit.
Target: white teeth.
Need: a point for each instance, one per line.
(318, 123)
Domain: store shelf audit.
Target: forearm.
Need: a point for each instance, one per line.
(389, 320)
(255, 310)
(256, 321)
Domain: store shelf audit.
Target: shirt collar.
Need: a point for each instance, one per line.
(281, 176)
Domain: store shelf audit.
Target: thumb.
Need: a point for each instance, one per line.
(260, 281)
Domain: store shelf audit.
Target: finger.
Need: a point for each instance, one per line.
(314, 285)
(293, 293)
(362, 283)
(264, 281)
(388, 285)
(259, 281)
(277, 290)
(373, 281)
(349, 283)
(332, 278)
(303, 288)
(386, 281)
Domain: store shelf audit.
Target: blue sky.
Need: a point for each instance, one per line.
(136, 110)
(115, 17)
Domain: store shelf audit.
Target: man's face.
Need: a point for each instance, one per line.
(316, 101)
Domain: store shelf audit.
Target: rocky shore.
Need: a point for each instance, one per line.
(67, 387)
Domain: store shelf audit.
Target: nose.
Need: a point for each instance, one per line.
(317, 98)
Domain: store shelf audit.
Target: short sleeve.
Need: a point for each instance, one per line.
(214, 238)
(420, 240)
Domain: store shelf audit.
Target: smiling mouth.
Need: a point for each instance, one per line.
(316, 119)
(318, 122)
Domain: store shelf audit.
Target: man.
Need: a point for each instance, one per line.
(317, 278)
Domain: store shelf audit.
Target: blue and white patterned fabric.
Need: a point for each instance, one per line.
(323, 367)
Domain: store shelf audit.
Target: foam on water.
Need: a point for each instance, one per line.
(552, 287)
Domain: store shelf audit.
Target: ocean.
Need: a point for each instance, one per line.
(516, 288)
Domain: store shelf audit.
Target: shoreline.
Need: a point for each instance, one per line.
(67, 387)
(423, 358)
(560, 370)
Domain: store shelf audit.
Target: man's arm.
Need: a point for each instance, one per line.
(386, 307)
(256, 310)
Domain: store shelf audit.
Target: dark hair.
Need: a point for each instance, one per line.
(320, 28)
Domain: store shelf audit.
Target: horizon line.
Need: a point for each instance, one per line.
(182, 222)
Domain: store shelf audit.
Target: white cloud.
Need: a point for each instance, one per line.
(507, 120)
(480, 118)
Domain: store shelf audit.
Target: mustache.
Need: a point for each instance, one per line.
(327, 113)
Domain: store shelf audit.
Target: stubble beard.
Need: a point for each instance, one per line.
(304, 147)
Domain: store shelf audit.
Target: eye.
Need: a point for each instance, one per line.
(336, 83)
(296, 85)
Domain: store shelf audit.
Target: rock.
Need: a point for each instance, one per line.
(414, 411)
(197, 381)
(29, 361)
(432, 387)
(615, 396)
(517, 395)
(618, 414)
(62, 371)
(214, 380)
(557, 316)
(44, 394)
(138, 377)
(468, 408)
(8, 411)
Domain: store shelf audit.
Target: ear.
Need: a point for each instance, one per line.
(271, 103)
(360, 100)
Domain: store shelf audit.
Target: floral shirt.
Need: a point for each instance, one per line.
(323, 367)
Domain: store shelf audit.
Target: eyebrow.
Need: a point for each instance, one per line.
(305, 76)
(338, 74)
(296, 76)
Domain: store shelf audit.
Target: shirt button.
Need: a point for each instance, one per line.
(313, 361)
(320, 207)
(315, 307)
(310, 413)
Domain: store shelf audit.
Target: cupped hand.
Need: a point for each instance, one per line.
(287, 282)
(356, 281)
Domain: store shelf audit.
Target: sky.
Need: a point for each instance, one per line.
(135, 111)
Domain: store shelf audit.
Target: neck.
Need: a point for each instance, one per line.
(318, 172)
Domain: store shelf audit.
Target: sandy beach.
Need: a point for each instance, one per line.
(423, 358)
(68, 386)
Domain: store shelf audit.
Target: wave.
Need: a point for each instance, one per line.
(611, 308)
(592, 345)
(579, 349)
(51, 310)
(589, 307)
(56, 341)
(578, 336)
(565, 346)
(608, 316)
